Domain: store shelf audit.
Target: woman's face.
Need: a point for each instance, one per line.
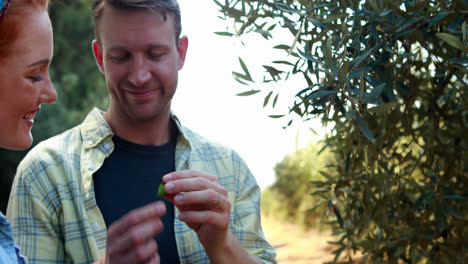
(24, 80)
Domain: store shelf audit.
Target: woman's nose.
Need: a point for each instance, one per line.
(48, 93)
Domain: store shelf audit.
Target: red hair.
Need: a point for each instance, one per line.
(11, 24)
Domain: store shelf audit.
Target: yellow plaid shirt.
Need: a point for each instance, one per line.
(53, 210)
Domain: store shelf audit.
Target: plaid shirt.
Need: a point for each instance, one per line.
(53, 210)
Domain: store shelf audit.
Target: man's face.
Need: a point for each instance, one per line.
(140, 59)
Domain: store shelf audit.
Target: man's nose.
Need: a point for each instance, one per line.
(140, 72)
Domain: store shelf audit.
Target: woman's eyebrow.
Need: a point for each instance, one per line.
(40, 62)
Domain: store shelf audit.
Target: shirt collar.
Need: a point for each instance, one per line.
(95, 130)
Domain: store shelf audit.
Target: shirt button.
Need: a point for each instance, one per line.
(95, 225)
(107, 146)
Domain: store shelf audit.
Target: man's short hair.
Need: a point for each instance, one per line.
(164, 7)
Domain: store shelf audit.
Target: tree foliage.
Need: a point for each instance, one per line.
(288, 197)
(391, 77)
(79, 84)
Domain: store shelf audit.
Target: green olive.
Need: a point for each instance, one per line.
(161, 191)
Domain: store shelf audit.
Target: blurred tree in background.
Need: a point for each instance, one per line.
(288, 197)
(391, 77)
(79, 84)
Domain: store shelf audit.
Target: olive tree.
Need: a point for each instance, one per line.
(390, 77)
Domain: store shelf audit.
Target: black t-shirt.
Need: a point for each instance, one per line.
(129, 179)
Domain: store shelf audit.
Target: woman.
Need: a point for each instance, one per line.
(25, 54)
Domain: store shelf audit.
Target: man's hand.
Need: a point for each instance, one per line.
(203, 205)
(131, 238)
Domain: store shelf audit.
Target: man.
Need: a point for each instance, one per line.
(106, 171)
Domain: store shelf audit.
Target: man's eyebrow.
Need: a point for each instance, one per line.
(40, 62)
(157, 45)
(116, 48)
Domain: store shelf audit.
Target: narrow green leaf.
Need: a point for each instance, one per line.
(383, 108)
(329, 53)
(241, 76)
(326, 174)
(461, 61)
(267, 98)
(308, 57)
(436, 19)
(246, 71)
(315, 22)
(334, 17)
(320, 93)
(283, 62)
(238, 77)
(360, 59)
(282, 46)
(351, 115)
(275, 101)
(364, 128)
(224, 33)
(265, 34)
(374, 6)
(417, 6)
(465, 33)
(317, 205)
(386, 12)
(374, 94)
(276, 116)
(286, 8)
(218, 3)
(358, 72)
(272, 71)
(303, 91)
(262, 25)
(347, 163)
(404, 33)
(322, 6)
(452, 40)
(251, 92)
(338, 215)
(406, 54)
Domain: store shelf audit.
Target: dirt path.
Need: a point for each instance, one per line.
(295, 246)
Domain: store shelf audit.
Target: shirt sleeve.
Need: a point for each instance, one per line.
(247, 218)
(34, 213)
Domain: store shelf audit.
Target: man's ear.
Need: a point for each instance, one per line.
(97, 51)
(182, 50)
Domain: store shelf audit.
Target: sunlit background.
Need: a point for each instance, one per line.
(206, 100)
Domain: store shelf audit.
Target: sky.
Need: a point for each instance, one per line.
(206, 98)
